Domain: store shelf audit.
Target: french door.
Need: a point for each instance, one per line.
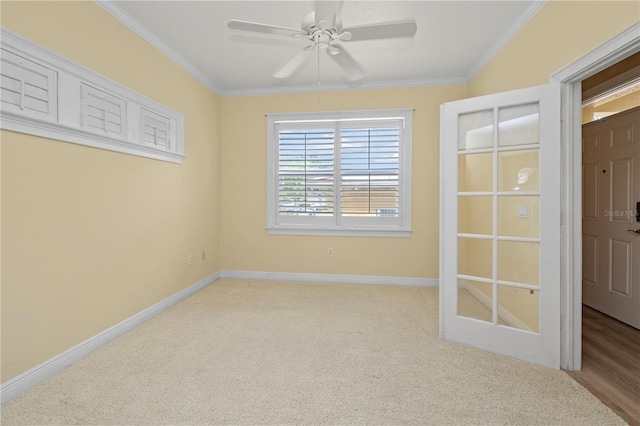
(500, 223)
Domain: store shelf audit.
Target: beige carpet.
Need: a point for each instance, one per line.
(245, 353)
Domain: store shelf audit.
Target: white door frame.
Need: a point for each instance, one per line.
(621, 46)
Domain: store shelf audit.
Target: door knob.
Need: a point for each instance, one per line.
(635, 231)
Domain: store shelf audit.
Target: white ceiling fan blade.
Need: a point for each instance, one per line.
(295, 63)
(382, 30)
(353, 70)
(236, 24)
(326, 10)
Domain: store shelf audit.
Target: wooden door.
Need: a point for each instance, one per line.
(610, 217)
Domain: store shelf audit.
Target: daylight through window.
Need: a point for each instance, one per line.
(340, 173)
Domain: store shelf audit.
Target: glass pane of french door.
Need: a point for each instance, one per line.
(498, 242)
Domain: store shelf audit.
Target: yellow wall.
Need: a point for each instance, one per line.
(91, 237)
(558, 35)
(246, 244)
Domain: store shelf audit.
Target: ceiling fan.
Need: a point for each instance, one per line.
(322, 29)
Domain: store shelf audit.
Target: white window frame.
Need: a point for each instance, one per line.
(382, 226)
(66, 121)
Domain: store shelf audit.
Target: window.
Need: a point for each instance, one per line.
(101, 112)
(155, 129)
(46, 95)
(27, 87)
(340, 173)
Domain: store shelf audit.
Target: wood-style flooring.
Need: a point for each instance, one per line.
(611, 363)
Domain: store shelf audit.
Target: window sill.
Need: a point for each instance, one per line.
(57, 131)
(342, 232)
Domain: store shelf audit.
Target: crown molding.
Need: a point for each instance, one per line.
(134, 26)
(505, 38)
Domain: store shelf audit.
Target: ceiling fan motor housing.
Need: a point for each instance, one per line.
(323, 27)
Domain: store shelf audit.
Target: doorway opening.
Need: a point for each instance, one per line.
(610, 284)
(611, 191)
(570, 79)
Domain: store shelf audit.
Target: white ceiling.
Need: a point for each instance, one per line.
(454, 40)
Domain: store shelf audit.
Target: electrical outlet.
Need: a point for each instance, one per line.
(330, 252)
(190, 260)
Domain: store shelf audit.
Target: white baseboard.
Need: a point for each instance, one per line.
(329, 278)
(15, 386)
(503, 314)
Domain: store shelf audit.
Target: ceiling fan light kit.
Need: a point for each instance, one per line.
(323, 28)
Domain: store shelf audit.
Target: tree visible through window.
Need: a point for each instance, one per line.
(340, 171)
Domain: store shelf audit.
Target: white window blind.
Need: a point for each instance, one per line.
(46, 95)
(340, 173)
(103, 112)
(155, 129)
(27, 87)
(370, 170)
(305, 172)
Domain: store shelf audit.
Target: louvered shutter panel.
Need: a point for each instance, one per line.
(155, 130)
(305, 172)
(27, 87)
(369, 169)
(103, 112)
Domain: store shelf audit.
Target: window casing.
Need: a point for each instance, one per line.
(47, 95)
(340, 173)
